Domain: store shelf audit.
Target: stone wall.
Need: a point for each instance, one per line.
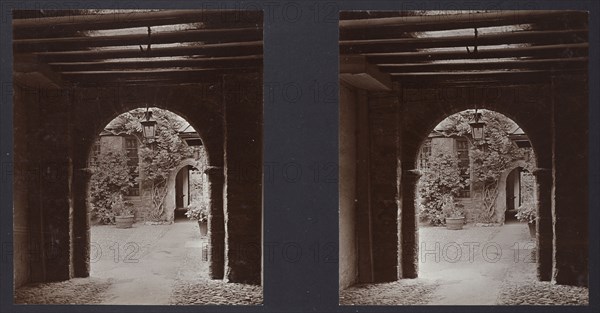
(348, 251)
(243, 104)
(22, 229)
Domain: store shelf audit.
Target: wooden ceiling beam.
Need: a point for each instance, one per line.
(222, 49)
(128, 76)
(547, 51)
(133, 19)
(468, 84)
(215, 79)
(457, 21)
(82, 43)
(515, 76)
(218, 62)
(562, 20)
(527, 64)
(410, 44)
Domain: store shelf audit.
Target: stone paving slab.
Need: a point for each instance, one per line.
(542, 293)
(74, 291)
(147, 264)
(474, 266)
(192, 287)
(403, 292)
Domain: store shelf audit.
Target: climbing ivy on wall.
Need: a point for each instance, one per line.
(158, 157)
(489, 159)
(440, 182)
(110, 178)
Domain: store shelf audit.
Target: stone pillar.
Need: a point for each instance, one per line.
(52, 146)
(216, 223)
(408, 223)
(570, 163)
(243, 179)
(544, 223)
(81, 222)
(383, 184)
(364, 221)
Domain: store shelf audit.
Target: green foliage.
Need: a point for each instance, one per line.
(527, 185)
(198, 210)
(526, 212)
(121, 207)
(450, 208)
(489, 157)
(439, 184)
(158, 158)
(109, 180)
(198, 185)
(199, 206)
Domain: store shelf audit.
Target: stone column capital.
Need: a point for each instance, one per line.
(411, 174)
(542, 173)
(214, 170)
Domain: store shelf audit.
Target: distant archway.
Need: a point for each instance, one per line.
(171, 200)
(502, 202)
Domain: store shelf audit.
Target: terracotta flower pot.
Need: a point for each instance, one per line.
(125, 221)
(455, 223)
(203, 228)
(532, 232)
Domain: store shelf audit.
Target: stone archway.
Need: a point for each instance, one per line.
(417, 124)
(395, 127)
(205, 118)
(234, 138)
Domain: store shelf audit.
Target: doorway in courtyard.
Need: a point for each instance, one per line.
(189, 184)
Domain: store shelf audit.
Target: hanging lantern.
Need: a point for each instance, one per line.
(148, 125)
(477, 127)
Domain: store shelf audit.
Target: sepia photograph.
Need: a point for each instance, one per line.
(137, 157)
(463, 158)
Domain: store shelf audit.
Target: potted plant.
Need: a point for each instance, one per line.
(455, 218)
(197, 210)
(124, 216)
(526, 212)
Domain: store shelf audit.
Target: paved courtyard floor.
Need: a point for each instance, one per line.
(474, 266)
(147, 264)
